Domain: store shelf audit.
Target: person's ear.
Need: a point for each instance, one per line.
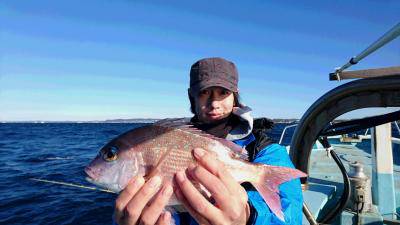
(189, 95)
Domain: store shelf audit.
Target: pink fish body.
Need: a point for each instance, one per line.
(165, 148)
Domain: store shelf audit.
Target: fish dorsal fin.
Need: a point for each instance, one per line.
(183, 124)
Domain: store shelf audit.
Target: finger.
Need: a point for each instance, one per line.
(195, 199)
(125, 196)
(200, 219)
(164, 219)
(151, 214)
(217, 168)
(213, 184)
(135, 206)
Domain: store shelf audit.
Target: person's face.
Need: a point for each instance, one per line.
(213, 104)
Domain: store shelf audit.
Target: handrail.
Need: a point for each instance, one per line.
(284, 130)
(397, 126)
(363, 137)
(365, 134)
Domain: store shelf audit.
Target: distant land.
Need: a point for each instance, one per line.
(89, 121)
(140, 120)
(146, 120)
(154, 120)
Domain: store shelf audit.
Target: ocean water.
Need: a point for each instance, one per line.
(58, 151)
(55, 152)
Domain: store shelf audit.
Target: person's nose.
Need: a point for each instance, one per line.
(214, 102)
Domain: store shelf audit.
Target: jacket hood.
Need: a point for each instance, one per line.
(244, 128)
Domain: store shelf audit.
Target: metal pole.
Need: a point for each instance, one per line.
(387, 37)
(283, 132)
(309, 216)
(383, 191)
(397, 126)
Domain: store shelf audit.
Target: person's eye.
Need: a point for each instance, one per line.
(226, 92)
(205, 92)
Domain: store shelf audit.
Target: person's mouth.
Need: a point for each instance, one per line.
(214, 115)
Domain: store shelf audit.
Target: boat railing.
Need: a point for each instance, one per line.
(395, 140)
(397, 126)
(284, 131)
(367, 135)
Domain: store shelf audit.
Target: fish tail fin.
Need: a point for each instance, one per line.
(270, 177)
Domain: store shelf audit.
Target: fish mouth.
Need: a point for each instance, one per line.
(89, 172)
(90, 180)
(111, 187)
(96, 180)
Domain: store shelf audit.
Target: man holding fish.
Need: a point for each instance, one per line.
(217, 182)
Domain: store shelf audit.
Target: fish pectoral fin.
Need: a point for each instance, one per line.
(156, 169)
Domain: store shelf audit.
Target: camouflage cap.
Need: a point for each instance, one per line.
(211, 72)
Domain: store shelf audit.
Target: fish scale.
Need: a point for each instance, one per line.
(179, 154)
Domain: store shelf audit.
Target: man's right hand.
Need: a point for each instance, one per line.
(133, 205)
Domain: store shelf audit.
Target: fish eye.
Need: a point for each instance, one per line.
(111, 154)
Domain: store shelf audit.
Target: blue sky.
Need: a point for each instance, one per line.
(95, 60)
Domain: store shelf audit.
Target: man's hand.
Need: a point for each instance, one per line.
(133, 205)
(230, 198)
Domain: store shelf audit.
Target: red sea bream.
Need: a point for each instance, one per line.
(165, 148)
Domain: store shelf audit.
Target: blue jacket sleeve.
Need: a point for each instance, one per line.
(290, 192)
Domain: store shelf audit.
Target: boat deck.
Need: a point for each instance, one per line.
(325, 179)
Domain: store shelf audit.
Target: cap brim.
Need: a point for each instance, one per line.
(198, 88)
